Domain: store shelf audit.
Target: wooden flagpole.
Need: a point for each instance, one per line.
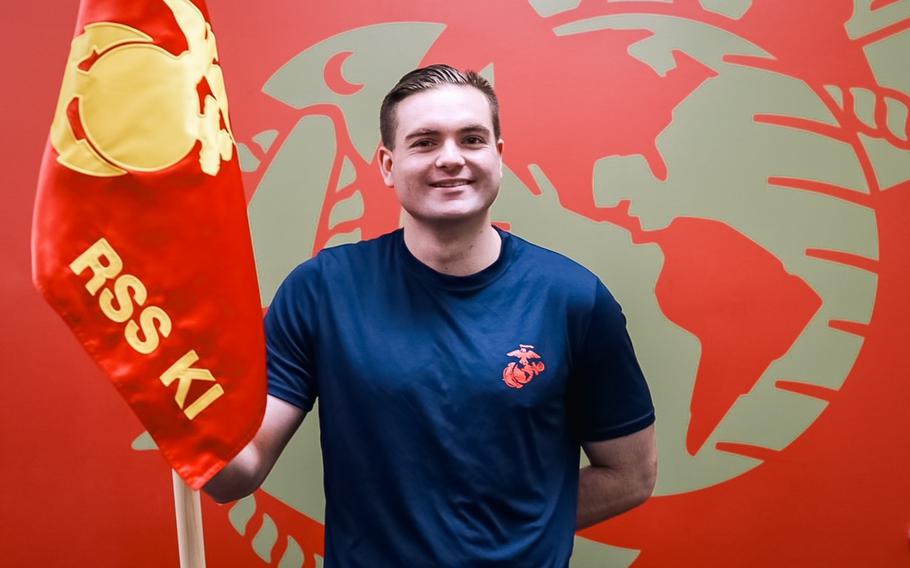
(188, 507)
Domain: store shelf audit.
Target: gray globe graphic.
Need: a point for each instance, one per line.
(722, 163)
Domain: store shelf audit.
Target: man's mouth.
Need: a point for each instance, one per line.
(448, 183)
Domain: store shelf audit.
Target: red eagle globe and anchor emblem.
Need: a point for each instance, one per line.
(517, 375)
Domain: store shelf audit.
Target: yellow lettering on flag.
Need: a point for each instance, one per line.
(184, 373)
(125, 287)
(105, 264)
(101, 271)
(152, 321)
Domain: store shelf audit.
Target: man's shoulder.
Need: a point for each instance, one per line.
(553, 266)
(361, 249)
(330, 258)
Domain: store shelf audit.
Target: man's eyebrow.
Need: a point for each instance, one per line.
(434, 132)
(474, 128)
(421, 132)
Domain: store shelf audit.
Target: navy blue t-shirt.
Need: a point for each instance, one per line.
(452, 408)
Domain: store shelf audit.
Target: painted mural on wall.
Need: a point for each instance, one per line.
(733, 170)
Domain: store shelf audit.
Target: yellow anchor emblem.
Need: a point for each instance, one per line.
(137, 104)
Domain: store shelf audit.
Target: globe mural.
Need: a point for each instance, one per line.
(730, 217)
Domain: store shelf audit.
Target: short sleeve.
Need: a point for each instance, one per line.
(290, 337)
(609, 397)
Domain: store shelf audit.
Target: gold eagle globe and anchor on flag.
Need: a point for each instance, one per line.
(140, 238)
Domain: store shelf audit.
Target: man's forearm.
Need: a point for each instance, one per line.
(238, 478)
(621, 476)
(605, 493)
(249, 468)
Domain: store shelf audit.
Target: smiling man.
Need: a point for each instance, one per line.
(459, 368)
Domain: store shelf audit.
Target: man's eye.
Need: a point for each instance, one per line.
(422, 144)
(473, 140)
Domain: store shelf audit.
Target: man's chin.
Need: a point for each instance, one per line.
(450, 217)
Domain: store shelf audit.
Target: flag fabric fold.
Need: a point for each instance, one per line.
(140, 237)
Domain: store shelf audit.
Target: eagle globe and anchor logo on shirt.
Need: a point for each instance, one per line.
(708, 437)
(517, 375)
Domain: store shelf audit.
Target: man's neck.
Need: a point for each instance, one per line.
(456, 249)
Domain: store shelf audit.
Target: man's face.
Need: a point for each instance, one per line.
(447, 164)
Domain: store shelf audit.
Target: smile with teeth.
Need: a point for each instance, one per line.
(450, 183)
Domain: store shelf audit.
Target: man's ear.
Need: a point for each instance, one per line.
(385, 165)
(499, 147)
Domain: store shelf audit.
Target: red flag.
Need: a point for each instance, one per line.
(140, 237)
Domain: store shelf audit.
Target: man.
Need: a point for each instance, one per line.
(459, 368)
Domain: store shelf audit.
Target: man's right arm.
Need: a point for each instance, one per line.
(246, 472)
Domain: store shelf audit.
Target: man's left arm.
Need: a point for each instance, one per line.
(621, 476)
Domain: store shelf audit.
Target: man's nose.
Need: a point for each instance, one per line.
(449, 155)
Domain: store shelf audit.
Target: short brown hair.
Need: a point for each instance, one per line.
(426, 78)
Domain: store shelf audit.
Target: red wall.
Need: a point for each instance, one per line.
(75, 493)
